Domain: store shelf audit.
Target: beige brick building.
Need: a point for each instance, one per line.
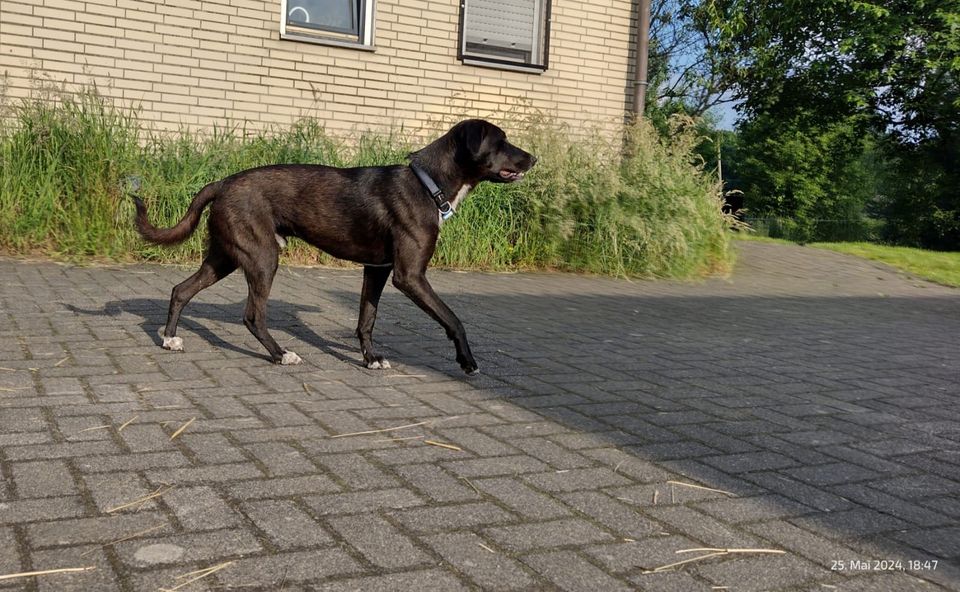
(362, 64)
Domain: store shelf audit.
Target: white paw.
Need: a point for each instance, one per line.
(290, 358)
(172, 343)
(378, 365)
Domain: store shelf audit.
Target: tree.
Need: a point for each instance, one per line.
(891, 67)
(681, 71)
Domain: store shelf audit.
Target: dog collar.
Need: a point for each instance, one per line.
(446, 210)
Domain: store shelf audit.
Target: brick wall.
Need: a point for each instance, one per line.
(199, 63)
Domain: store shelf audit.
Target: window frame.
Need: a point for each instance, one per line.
(362, 39)
(484, 61)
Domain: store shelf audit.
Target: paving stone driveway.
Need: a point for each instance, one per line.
(816, 395)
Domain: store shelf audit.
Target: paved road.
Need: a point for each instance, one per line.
(816, 395)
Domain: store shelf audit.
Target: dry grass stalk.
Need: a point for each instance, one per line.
(140, 501)
(183, 427)
(486, 547)
(393, 429)
(57, 365)
(12, 390)
(306, 389)
(711, 552)
(691, 485)
(202, 574)
(443, 445)
(656, 494)
(27, 574)
(103, 427)
(470, 483)
(364, 433)
(720, 550)
(126, 538)
(400, 439)
(679, 563)
(128, 422)
(7, 369)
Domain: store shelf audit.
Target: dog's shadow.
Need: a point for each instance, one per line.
(283, 316)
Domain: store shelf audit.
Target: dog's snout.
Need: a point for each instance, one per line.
(533, 160)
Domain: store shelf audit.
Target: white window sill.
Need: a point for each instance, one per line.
(468, 61)
(327, 41)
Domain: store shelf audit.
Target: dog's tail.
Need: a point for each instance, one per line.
(183, 228)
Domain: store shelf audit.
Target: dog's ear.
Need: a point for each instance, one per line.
(472, 134)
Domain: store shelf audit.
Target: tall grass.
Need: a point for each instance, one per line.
(584, 207)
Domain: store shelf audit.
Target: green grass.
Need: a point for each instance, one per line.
(584, 207)
(936, 266)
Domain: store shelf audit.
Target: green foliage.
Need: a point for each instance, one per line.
(920, 199)
(804, 174)
(891, 60)
(890, 67)
(64, 165)
(59, 167)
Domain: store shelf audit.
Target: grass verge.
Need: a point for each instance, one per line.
(936, 266)
(585, 207)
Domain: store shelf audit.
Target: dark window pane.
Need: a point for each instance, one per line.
(334, 15)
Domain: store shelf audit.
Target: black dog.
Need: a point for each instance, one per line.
(386, 218)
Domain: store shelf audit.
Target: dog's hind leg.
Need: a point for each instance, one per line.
(374, 279)
(260, 273)
(214, 268)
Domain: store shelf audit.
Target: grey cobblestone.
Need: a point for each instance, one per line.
(437, 484)
(540, 535)
(573, 573)
(43, 479)
(521, 498)
(287, 525)
(796, 408)
(281, 571)
(101, 578)
(200, 508)
(490, 569)
(379, 541)
(444, 518)
(94, 530)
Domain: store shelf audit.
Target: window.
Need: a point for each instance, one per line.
(510, 34)
(336, 22)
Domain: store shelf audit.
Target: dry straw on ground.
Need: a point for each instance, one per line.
(711, 552)
(182, 428)
(199, 575)
(28, 574)
(443, 445)
(140, 501)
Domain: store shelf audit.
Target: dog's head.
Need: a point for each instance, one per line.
(483, 150)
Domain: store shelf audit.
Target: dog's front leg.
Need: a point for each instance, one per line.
(414, 284)
(374, 279)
